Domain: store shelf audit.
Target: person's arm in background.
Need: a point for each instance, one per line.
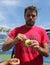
(13, 61)
(13, 53)
(4, 63)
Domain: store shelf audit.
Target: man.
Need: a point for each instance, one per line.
(13, 61)
(33, 54)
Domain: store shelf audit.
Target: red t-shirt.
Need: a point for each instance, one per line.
(28, 55)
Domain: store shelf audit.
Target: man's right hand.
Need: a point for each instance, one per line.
(20, 37)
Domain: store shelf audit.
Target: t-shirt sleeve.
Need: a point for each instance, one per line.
(44, 38)
(13, 34)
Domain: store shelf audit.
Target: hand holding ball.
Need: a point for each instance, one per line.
(27, 42)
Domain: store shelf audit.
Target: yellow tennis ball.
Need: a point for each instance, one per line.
(27, 42)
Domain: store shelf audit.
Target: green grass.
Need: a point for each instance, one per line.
(5, 56)
(46, 64)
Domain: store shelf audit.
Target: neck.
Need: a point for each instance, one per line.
(29, 26)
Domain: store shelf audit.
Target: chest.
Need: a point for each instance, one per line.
(32, 34)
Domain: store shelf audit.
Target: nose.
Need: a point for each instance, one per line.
(30, 17)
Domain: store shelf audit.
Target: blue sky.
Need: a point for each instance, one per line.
(12, 12)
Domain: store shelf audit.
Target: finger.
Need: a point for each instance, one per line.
(23, 36)
(34, 41)
(14, 61)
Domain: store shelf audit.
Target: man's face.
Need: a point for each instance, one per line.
(30, 17)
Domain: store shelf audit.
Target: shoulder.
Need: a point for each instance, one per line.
(13, 33)
(20, 27)
(40, 29)
(17, 28)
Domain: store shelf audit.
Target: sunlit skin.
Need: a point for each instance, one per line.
(30, 18)
(13, 61)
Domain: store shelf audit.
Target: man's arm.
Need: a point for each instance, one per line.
(43, 50)
(9, 44)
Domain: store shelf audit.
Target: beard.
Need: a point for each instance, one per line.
(30, 23)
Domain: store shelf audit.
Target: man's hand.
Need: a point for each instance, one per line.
(20, 37)
(14, 61)
(43, 50)
(34, 44)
